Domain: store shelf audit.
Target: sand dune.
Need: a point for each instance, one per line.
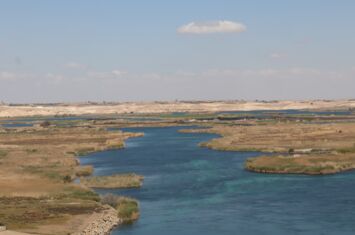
(161, 107)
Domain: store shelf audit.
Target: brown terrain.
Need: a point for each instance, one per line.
(37, 169)
(166, 107)
(301, 147)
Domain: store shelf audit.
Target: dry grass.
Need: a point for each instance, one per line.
(84, 171)
(306, 164)
(127, 208)
(307, 148)
(283, 137)
(30, 214)
(115, 181)
(37, 166)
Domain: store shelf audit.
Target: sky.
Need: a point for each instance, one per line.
(160, 50)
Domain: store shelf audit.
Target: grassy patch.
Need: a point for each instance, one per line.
(46, 171)
(307, 164)
(84, 171)
(3, 153)
(84, 151)
(29, 151)
(127, 208)
(115, 181)
(23, 213)
(77, 192)
(347, 150)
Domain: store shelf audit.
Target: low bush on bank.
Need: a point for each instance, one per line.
(45, 124)
(110, 199)
(3, 153)
(127, 208)
(347, 150)
(84, 171)
(84, 151)
(29, 151)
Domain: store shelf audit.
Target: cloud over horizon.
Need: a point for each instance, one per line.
(209, 27)
(107, 75)
(277, 55)
(75, 65)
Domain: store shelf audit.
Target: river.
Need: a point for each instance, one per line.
(190, 190)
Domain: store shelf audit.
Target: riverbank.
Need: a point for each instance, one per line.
(307, 165)
(117, 181)
(301, 148)
(101, 223)
(37, 170)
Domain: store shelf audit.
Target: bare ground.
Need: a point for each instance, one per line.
(164, 107)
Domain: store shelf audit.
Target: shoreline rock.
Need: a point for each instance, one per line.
(101, 223)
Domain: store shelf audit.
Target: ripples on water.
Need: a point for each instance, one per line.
(190, 190)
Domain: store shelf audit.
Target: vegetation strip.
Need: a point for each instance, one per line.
(114, 181)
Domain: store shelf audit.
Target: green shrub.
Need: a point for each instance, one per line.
(347, 150)
(84, 171)
(84, 194)
(3, 153)
(84, 151)
(110, 199)
(31, 151)
(67, 179)
(45, 124)
(128, 209)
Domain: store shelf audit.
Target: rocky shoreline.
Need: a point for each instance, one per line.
(101, 223)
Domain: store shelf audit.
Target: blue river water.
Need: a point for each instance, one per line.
(190, 190)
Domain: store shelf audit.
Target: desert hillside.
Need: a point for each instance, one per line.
(161, 107)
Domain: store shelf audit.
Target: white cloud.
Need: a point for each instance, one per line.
(7, 75)
(296, 72)
(74, 65)
(221, 26)
(277, 55)
(118, 73)
(107, 75)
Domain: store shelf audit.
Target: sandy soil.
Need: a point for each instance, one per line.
(161, 107)
(8, 232)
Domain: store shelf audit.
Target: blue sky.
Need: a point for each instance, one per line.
(53, 51)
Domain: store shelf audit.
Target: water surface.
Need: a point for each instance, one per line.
(190, 190)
